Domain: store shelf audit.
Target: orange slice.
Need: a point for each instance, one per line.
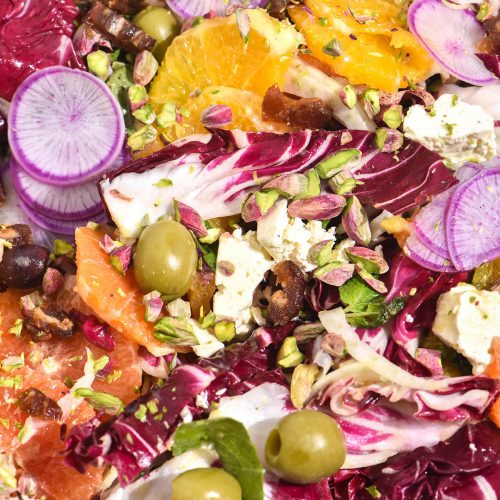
(363, 40)
(214, 54)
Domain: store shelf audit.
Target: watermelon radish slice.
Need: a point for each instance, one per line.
(473, 221)
(429, 225)
(65, 126)
(430, 221)
(425, 257)
(63, 227)
(65, 203)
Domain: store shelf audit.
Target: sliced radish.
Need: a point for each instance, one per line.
(473, 221)
(64, 203)
(430, 222)
(65, 126)
(450, 35)
(467, 171)
(425, 257)
(185, 9)
(55, 225)
(429, 225)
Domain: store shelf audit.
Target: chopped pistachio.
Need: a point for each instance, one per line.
(225, 331)
(163, 183)
(266, 200)
(145, 114)
(141, 138)
(289, 354)
(371, 101)
(393, 117)
(137, 96)
(175, 331)
(145, 67)
(337, 162)
(62, 247)
(100, 400)
(302, 381)
(212, 236)
(17, 328)
(349, 97)
(347, 185)
(167, 116)
(313, 185)
(100, 363)
(333, 48)
(99, 64)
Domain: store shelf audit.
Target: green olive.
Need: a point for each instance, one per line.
(206, 484)
(165, 259)
(305, 447)
(161, 24)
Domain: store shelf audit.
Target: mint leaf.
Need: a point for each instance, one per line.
(365, 308)
(356, 295)
(232, 443)
(209, 254)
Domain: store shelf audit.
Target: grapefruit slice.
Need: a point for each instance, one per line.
(116, 299)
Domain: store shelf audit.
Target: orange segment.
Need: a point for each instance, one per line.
(116, 299)
(374, 49)
(213, 54)
(246, 107)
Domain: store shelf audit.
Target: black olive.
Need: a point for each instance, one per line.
(23, 267)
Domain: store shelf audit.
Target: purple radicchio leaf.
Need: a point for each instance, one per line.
(131, 441)
(223, 168)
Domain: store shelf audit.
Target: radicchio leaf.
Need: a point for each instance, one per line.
(213, 174)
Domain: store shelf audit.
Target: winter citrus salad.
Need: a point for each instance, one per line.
(249, 249)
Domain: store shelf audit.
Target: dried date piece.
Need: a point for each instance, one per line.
(122, 32)
(285, 304)
(277, 8)
(296, 111)
(16, 235)
(127, 7)
(37, 404)
(44, 323)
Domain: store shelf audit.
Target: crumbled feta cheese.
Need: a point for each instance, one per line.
(467, 319)
(186, 415)
(241, 266)
(456, 130)
(202, 400)
(288, 238)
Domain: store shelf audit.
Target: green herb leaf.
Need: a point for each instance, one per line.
(232, 443)
(365, 308)
(209, 252)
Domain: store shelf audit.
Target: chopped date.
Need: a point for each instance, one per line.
(286, 303)
(125, 6)
(16, 235)
(37, 404)
(277, 8)
(296, 111)
(122, 32)
(44, 323)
